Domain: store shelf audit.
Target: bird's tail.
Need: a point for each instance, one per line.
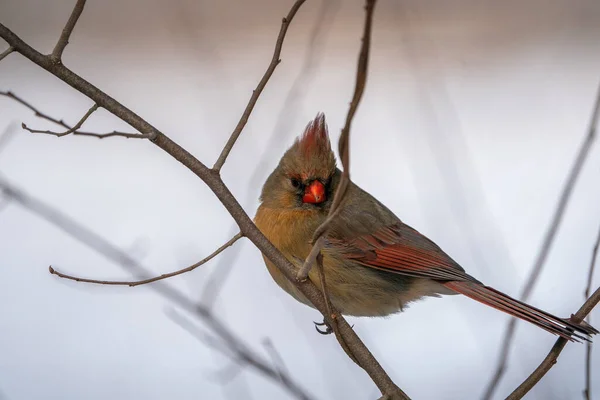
(493, 298)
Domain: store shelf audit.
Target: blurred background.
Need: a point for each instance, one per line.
(473, 114)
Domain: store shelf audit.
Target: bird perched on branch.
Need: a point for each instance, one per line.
(373, 263)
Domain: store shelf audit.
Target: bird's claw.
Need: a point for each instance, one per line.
(326, 331)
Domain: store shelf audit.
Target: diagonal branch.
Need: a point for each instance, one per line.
(547, 244)
(192, 267)
(71, 130)
(344, 143)
(6, 52)
(56, 55)
(276, 358)
(285, 23)
(558, 347)
(62, 123)
(204, 337)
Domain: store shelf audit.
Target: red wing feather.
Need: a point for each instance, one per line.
(401, 249)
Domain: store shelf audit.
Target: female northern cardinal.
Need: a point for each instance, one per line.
(373, 263)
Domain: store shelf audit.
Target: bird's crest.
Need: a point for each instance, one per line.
(315, 138)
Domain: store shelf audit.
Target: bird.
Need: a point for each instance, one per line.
(374, 264)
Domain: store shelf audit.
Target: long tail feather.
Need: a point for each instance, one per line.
(493, 298)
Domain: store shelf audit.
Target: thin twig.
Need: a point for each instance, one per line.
(587, 392)
(547, 244)
(332, 313)
(37, 112)
(344, 143)
(311, 258)
(285, 23)
(204, 337)
(71, 130)
(62, 123)
(278, 362)
(56, 55)
(6, 52)
(558, 347)
(149, 280)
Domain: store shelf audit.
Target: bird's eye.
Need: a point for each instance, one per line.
(295, 182)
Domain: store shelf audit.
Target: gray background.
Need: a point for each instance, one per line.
(472, 116)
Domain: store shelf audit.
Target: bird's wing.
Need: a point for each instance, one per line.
(399, 249)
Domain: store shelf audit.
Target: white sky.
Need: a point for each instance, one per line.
(473, 114)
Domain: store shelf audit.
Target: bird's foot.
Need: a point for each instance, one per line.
(327, 331)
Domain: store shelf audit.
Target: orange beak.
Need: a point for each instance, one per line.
(314, 193)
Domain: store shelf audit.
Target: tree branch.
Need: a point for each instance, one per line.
(192, 267)
(62, 123)
(56, 55)
(285, 23)
(71, 130)
(6, 52)
(212, 179)
(276, 358)
(552, 356)
(547, 244)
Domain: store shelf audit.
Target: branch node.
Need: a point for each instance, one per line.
(56, 56)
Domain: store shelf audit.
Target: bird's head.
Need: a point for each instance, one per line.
(306, 174)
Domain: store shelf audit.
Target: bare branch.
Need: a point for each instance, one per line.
(62, 123)
(344, 143)
(56, 55)
(558, 347)
(302, 274)
(547, 244)
(37, 113)
(6, 52)
(278, 362)
(149, 280)
(71, 130)
(587, 393)
(285, 23)
(332, 314)
(199, 334)
(216, 184)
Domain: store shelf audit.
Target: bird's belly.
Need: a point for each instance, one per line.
(361, 292)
